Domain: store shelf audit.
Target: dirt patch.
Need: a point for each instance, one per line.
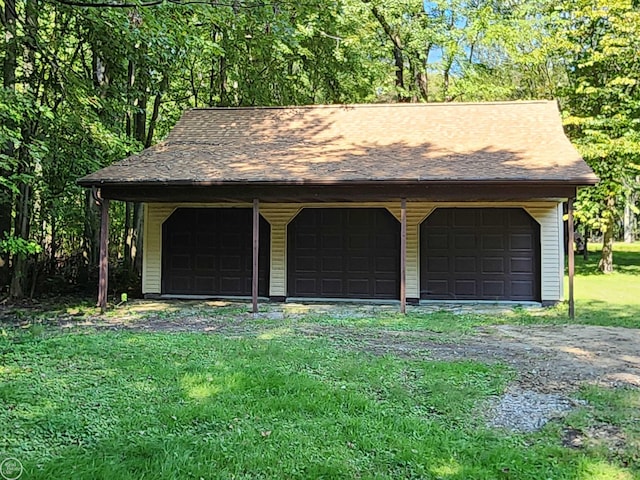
(548, 359)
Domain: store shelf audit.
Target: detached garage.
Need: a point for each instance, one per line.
(394, 202)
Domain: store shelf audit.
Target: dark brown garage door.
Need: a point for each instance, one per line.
(480, 254)
(208, 251)
(344, 253)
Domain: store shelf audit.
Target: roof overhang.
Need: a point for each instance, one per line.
(462, 191)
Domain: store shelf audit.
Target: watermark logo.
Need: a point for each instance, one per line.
(11, 469)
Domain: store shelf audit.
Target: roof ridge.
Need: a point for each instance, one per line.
(377, 105)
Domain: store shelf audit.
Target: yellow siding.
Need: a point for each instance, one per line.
(279, 215)
(551, 238)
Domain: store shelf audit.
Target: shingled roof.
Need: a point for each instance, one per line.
(452, 142)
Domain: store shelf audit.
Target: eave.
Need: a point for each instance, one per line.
(343, 191)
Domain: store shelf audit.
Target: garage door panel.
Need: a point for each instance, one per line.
(522, 289)
(209, 251)
(492, 241)
(517, 219)
(232, 285)
(180, 240)
(438, 264)
(489, 254)
(466, 288)
(465, 265)
(331, 287)
(181, 283)
(306, 263)
(521, 241)
(438, 288)
(465, 241)
(306, 287)
(205, 283)
(231, 263)
(330, 241)
(463, 218)
(358, 241)
(437, 241)
(493, 218)
(331, 264)
(492, 265)
(359, 264)
(204, 240)
(355, 249)
(328, 219)
(437, 218)
(205, 262)
(355, 218)
(493, 288)
(521, 265)
(383, 241)
(385, 264)
(358, 288)
(181, 262)
(305, 240)
(385, 288)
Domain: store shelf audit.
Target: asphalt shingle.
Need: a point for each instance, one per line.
(508, 141)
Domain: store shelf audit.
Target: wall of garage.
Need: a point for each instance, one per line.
(547, 213)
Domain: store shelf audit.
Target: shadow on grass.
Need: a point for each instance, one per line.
(625, 262)
(598, 312)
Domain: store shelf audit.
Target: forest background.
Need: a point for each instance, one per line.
(89, 82)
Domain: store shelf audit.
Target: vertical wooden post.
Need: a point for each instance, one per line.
(571, 258)
(103, 279)
(403, 255)
(256, 244)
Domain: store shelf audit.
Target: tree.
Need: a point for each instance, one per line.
(601, 40)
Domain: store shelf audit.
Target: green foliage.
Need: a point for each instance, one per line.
(601, 41)
(94, 85)
(19, 246)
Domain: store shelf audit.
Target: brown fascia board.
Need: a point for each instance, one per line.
(339, 192)
(575, 182)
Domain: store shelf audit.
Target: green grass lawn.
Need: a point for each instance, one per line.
(612, 299)
(132, 405)
(86, 404)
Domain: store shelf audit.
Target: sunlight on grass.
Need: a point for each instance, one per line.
(275, 333)
(450, 469)
(604, 471)
(202, 391)
(200, 387)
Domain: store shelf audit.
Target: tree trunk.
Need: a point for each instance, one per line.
(136, 240)
(25, 162)
(164, 85)
(91, 238)
(606, 260)
(398, 53)
(9, 66)
(222, 80)
(19, 274)
(629, 219)
(126, 236)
